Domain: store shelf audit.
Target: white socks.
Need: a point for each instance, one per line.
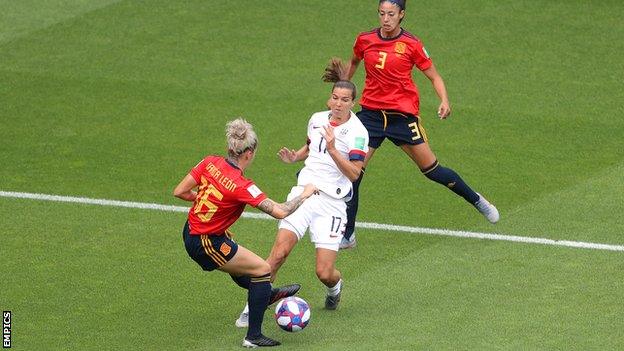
(335, 290)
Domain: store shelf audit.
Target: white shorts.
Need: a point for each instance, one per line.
(324, 215)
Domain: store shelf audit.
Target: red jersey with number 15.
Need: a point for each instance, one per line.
(388, 63)
(222, 195)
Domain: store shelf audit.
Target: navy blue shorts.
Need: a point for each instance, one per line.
(209, 251)
(400, 128)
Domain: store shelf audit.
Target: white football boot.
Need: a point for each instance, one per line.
(347, 243)
(487, 209)
(243, 320)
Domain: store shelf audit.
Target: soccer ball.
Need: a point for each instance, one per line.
(292, 314)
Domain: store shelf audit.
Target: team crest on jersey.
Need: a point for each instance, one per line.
(225, 249)
(400, 47)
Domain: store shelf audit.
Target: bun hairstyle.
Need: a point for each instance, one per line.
(399, 3)
(337, 72)
(240, 137)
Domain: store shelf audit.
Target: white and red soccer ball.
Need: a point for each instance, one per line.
(292, 314)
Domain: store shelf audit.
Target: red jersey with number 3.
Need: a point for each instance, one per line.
(222, 195)
(388, 63)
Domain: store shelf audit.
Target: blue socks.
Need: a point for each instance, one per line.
(243, 281)
(435, 172)
(451, 180)
(258, 296)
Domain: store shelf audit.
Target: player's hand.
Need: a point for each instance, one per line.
(330, 138)
(309, 190)
(287, 155)
(444, 110)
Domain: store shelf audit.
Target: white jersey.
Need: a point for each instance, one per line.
(351, 140)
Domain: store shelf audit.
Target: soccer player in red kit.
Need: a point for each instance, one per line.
(219, 201)
(390, 105)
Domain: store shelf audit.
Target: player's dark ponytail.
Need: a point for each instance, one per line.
(399, 3)
(338, 73)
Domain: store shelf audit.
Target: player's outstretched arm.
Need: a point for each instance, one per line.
(282, 210)
(291, 156)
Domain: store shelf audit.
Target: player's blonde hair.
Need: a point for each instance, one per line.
(240, 137)
(337, 72)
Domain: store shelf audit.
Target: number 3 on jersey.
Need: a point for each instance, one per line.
(205, 190)
(382, 60)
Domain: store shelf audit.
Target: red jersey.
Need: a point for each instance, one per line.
(222, 196)
(388, 63)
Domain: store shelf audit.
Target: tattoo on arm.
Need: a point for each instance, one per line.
(292, 205)
(267, 206)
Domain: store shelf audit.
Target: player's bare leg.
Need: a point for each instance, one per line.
(246, 262)
(285, 241)
(328, 274)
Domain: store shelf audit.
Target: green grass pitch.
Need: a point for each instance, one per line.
(118, 99)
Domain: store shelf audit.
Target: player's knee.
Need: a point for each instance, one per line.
(265, 268)
(427, 170)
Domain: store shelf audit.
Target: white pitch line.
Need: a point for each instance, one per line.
(366, 225)
(491, 236)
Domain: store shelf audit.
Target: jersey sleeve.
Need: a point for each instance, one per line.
(358, 146)
(196, 171)
(310, 129)
(420, 56)
(358, 48)
(250, 194)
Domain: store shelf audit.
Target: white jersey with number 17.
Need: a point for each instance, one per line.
(351, 140)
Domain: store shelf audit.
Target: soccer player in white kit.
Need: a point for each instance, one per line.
(334, 154)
